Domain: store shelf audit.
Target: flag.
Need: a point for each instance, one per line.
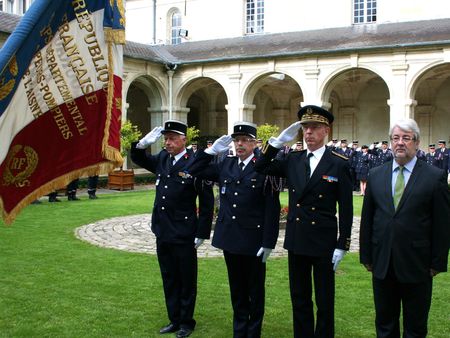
(60, 98)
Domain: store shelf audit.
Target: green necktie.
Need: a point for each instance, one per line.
(399, 186)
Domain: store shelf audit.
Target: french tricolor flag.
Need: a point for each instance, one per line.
(60, 98)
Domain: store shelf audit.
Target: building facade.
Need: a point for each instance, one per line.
(369, 67)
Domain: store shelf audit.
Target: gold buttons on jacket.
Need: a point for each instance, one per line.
(234, 205)
(320, 196)
(313, 223)
(233, 217)
(313, 208)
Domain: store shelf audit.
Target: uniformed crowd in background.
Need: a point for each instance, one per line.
(363, 158)
(319, 179)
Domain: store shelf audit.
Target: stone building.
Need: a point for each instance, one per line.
(368, 73)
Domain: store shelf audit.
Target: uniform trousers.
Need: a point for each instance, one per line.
(178, 265)
(246, 276)
(414, 298)
(301, 270)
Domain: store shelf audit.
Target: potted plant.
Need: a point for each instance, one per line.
(124, 179)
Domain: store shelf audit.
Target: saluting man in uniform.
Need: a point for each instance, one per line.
(318, 179)
(175, 222)
(247, 224)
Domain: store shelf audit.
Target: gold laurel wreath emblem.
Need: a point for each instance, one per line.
(21, 179)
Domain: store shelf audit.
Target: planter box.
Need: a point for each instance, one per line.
(121, 180)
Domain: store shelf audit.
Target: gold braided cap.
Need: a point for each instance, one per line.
(311, 116)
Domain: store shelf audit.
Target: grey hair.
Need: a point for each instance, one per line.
(407, 125)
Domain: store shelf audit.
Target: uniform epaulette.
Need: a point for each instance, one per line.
(339, 155)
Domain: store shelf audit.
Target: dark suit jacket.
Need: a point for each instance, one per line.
(249, 210)
(312, 227)
(416, 235)
(174, 217)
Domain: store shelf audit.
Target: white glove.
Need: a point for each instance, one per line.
(338, 254)
(198, 242)
(150, 138)
(286, 135)
(338, 144)
(220, 145)
(265, 252)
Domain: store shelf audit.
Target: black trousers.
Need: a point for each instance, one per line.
(301, 271)
(390, 296)
(178, 265)
(92, 183)
(246, 276)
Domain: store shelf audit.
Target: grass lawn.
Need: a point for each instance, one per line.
(54, 285)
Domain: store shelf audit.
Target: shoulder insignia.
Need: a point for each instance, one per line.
(339, 155)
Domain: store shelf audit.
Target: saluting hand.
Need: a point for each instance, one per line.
(220, 145)
(150, 138)
(287, 135)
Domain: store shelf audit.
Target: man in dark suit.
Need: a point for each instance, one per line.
(405, 231)
(175, 222)
(318, 179)
(247, 224)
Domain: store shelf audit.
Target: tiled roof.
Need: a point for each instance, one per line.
(8, 22)
(356, 38)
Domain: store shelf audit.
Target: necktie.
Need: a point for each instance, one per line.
(241, 166)
(171, 158)
(308, 167)
(399, 186)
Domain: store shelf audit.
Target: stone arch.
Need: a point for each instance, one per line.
(358, 98)
(144, 97)
(273, 98)
(430, 89)
(205, 99)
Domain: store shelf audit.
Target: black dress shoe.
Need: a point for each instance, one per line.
(51, 200)
(92, 197)
(184, 332)
(169, 328)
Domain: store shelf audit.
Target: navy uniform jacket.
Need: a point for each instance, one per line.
(384, 156)
(174, 217)
(312, 227)
(362, 163)
(416, 235)
(249, 210)
(347, 152)
(441, 158)
(431, 160)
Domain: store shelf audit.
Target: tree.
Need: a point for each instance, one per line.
(129, 133)
(266, 131)
(192, 134)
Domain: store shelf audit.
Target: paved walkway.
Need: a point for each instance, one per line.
(133, 234)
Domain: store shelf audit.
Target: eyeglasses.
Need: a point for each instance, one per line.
(243, 139)
(405, 139)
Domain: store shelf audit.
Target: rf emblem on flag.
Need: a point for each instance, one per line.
(20, 164)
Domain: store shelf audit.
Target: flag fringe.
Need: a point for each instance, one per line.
(58, 183)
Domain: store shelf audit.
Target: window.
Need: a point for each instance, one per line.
(364, 11)
(1, 5)
(254, 15)
(175, 29)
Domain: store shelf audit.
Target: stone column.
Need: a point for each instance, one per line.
(234, 107)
